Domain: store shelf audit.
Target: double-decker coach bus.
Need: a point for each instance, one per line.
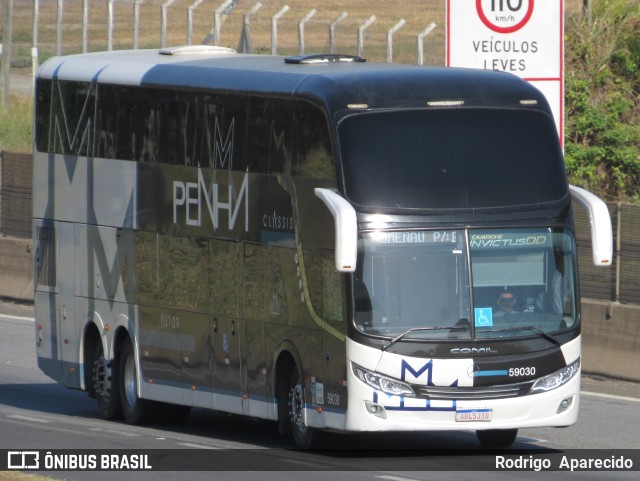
(320, 241)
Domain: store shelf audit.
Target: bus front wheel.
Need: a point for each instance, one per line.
(303, 435)
(497, 438)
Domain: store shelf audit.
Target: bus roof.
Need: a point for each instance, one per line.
(333, 83)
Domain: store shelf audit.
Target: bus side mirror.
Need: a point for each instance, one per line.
(346, 224)
(600, 222)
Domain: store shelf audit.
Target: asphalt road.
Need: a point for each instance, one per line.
(36, 413)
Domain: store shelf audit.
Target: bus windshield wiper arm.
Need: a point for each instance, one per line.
(540, 332)
(415, 329)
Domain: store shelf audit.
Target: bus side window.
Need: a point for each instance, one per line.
(312, 155)
(269, 139)
(71, 115)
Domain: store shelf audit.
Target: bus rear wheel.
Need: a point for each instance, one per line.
(104, 376)
(304, 436)
(497, 438)
(135, 409)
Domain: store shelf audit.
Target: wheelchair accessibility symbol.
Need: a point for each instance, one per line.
(483, 316)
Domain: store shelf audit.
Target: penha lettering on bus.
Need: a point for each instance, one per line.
(190, 197)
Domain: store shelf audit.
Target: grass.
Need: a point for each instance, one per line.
(16, 125)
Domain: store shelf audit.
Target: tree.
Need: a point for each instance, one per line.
(602, 145)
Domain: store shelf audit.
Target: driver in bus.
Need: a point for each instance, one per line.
(506, 303)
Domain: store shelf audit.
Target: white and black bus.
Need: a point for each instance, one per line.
(328, 243)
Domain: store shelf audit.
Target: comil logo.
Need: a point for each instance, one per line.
(504, 16)
(23, 460)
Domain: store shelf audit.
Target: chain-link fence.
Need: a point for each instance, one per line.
(31, 31)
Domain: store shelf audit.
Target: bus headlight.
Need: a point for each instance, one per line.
(385, 384)
(556, 379)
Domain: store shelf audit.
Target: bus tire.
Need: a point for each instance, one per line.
(304, 436)
(105, 385)
(497, 438)
(134, 409)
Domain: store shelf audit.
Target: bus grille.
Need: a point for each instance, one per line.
(471, 393)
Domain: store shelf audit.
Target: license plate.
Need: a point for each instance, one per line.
(474, 415)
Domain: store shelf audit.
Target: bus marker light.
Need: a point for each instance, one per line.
(150, 381)
(106, 327)
(445, 103)
(319, 409)
(193, 388)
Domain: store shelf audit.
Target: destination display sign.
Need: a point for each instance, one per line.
(509, 240)
(418, 237)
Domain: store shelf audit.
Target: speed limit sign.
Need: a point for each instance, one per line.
(523, 37)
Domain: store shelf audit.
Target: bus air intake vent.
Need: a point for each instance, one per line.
(472, 393)
(323, 58)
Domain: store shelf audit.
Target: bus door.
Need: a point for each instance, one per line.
(225, 325)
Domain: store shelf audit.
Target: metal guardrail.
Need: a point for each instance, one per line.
(16, 194)
(621, 282)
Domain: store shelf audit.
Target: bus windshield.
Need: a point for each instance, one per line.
(463, 284)
(453, 158)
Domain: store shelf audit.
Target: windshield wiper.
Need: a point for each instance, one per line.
(540, 332)
(415, 329)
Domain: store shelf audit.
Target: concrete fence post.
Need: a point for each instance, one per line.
(5, 51)
(332, 31)
(136, 23)
(390, 33)
(421, 37)
(217, 21)
(59, 10)
(361, 30)
(274, 29)
(246, 43)
(85, 26)
(190, 10)
(304, 20)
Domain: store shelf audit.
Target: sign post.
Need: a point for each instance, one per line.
(523, 37)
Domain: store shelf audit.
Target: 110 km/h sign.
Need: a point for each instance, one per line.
(523, 37)
(505, 16)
